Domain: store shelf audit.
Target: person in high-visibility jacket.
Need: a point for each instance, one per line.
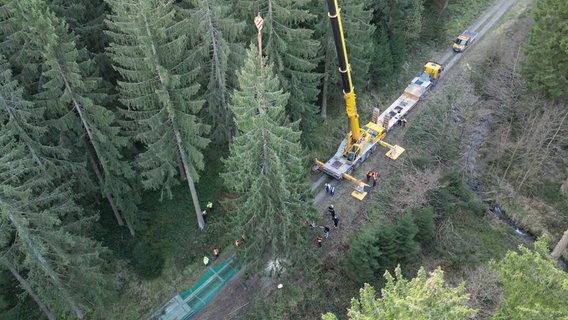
(209, 206)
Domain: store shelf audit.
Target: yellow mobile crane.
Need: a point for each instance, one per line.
(360, 142)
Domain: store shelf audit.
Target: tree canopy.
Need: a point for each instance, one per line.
(264, 168)
(535, 287)
(423, 297)
(546, 66)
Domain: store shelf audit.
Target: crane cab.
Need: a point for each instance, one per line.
(433, 70)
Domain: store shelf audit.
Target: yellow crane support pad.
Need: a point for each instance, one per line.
(361, 190)
(395, 152)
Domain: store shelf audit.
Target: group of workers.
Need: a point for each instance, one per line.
(330, 189)
(209, 209)
(374, 175)
(334, 218)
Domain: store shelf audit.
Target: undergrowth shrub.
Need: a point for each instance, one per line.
(147, 260)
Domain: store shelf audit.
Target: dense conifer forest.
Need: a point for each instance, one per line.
(121, 119)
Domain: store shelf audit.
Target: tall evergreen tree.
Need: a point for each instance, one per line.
(150, 49)
(381, 247)
(85, 18)
(423, 297)
(546, 66)
(217, 32)
(405, 232)
(42, 237)
(535, 287)
(397, 22)
(289, 43)
(266, 168)
(28, 288)
(24, 121)
(72, 105)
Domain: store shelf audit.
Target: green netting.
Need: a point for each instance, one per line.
(186, 304)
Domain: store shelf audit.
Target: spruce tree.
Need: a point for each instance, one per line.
(28, 288)
(265, 169)
(398, 23)
(405, 232)
(43, 237)
(380, 247)
(217, 32)
(85, 18)
(535, 286)
(363, 257)
(151, 51)
(382, 68)
(546, 66)
(71, 104)
(427, 296)
(290, 44)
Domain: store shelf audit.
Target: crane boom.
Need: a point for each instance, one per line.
(360, 142)
(344, 70)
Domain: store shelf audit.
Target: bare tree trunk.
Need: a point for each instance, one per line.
(28, 289)
(182, 171)
(100, 178)
(324, 89)
(47, 268)
(324, 97)
(190, 183)
(560, 246)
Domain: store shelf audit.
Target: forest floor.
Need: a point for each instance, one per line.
(236, 297)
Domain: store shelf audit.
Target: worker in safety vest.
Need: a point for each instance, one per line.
(375, 178)
(209, 206)
(204, 215)
(206, 260)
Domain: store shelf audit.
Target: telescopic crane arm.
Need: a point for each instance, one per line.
(344, 70)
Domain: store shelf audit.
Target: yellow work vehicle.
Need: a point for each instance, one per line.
(464, 40)
(360, 142)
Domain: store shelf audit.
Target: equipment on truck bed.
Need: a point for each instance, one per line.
(415, 90)
(464, 40)
(360, 142)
